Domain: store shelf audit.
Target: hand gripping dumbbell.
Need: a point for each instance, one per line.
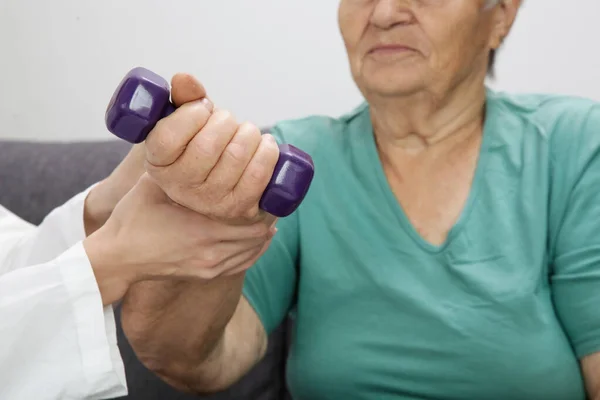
(143, 98)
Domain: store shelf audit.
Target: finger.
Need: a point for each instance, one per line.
(234, 233)
(270, 220)
(171, 135)
(257, 174)
(241, 262)
(204, 150)
(185, 88)
(252, 259)
(238, 153)
(232, 247)
(204, 273)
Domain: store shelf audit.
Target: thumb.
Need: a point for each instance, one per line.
(185, 89)
(149, 191)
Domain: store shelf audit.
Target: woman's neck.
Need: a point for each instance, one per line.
(422, 121)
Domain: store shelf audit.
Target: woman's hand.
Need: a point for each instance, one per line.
(103, 198)
(149, 237)
(204, 160)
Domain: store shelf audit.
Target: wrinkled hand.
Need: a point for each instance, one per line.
(204, 160)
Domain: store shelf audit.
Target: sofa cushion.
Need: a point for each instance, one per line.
(36, 177)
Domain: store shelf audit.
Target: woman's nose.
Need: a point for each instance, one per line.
(389, 13)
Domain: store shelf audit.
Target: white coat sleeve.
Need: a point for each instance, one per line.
(58, 341)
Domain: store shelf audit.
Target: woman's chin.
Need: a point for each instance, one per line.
(387, 87)
(391, 80)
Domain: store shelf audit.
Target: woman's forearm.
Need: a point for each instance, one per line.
(104, 197)
(177, 328)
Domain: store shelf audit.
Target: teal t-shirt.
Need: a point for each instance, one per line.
(502, 310)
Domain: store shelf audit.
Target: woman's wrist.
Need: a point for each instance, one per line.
(105, 196)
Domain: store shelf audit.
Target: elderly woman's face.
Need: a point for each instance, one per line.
(400, 47)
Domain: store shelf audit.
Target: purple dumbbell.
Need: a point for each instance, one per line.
(143, 98)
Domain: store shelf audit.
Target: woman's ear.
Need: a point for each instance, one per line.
(504, 17)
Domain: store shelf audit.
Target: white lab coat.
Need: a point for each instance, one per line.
(58, 341)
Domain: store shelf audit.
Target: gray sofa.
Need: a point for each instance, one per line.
(36, 177)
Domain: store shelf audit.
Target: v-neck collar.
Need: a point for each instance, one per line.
(374, 162)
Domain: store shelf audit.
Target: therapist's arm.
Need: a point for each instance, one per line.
(56, 290)
(25, 244)
(57, 330)
(58, 339)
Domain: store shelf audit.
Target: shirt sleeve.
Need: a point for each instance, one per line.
(270, 285)
(575, 230)
(25, 244)
(59, 340)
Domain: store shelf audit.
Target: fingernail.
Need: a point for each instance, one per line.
(270, 137)
(273, 231)
(208, 104)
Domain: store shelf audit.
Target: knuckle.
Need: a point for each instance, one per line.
(198, 114)
(219, 211)
(224, 118)
(259, 229)
(214, 194)
(251, 130)
(236, 214)
(236, 152)
(238, 211)
(204, 146)
(258, 173)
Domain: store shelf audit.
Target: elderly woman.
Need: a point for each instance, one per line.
(449, 246)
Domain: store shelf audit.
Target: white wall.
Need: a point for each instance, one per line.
(61, 59)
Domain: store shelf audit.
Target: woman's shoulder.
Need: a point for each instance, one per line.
(557, 117)
(568, 128)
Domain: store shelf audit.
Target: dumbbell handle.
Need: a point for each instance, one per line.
(168, 110)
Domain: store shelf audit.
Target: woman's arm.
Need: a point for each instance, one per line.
(574, 229)
(590, 367)
(199, 338)
(203, 337)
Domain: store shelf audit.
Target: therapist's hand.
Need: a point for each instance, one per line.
(149, 237)
(208, 162)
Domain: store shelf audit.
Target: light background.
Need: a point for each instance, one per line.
(61, 59)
